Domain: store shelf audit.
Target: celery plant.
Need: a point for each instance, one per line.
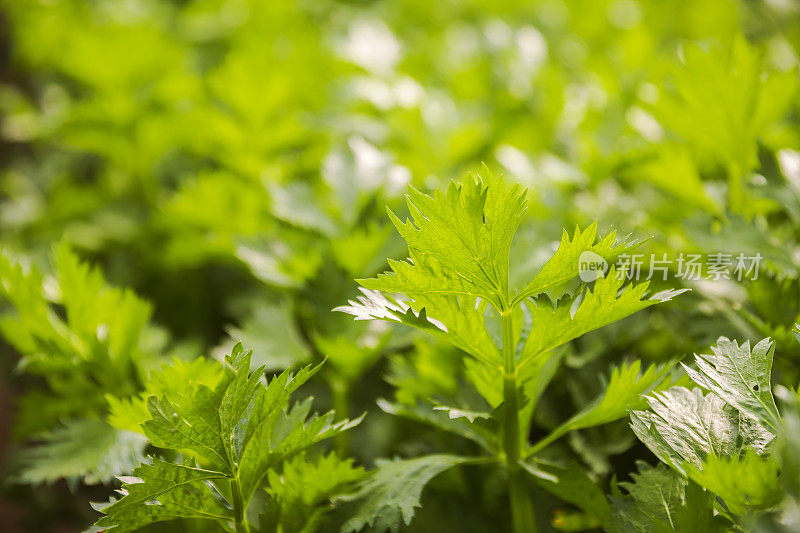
(455, 285)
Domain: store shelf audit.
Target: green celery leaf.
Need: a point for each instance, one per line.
(75, 325)
(463, 321)
(624, 391)
(189, 423)
(298, 496)
(389, 496)
(596, 308)
(459, 241)
(278, 431)
(458, 320)
(747, 481)
(174, 379)
(674, 171)
(164, 491)
(563, 266)
(374, 305)
(685, 427)
(479, 430)
(723, 100)
(740, 377)
(87, 449)
(243, 429)
(660, 500)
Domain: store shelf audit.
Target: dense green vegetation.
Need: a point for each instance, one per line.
(588, 316)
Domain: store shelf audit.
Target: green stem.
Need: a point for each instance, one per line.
(522, 516)
(545, 442)
(239, 508)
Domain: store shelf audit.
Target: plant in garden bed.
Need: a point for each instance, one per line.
(91, 344)
(455, 286)
(724, 108)
(227, 443)
(725, 444)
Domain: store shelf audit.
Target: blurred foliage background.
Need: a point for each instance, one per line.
(230, 162)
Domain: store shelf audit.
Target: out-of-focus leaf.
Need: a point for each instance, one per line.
(85, 449)
(624, 392)
(572, 485)
(748, 481)
(176, 378)
(390, 495)
(271, 331)
(479, 430)
(298, 497)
